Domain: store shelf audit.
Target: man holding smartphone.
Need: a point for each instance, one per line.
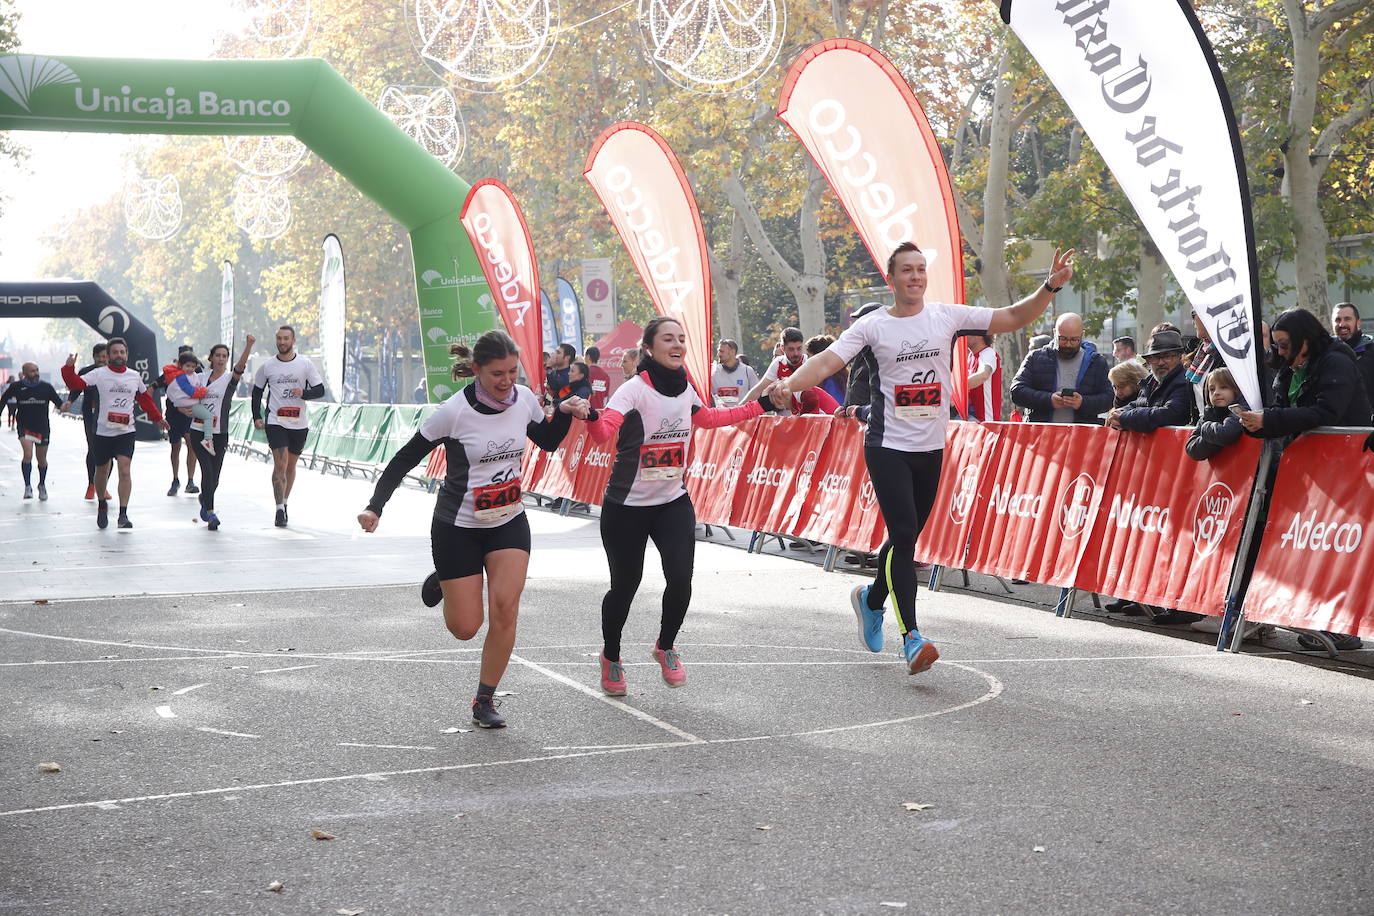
(1066, 380)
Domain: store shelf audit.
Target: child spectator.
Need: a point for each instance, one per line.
(182, 392)
(1218, 427)
(1126, 378)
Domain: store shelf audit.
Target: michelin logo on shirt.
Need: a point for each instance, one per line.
(670, 428)
(502, 451)
(922, 350)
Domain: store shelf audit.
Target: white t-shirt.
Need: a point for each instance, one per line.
(117, 390)
(277, 378)
(217, 394)
(482, 488)
(652, 451)
(728, 386)
(909, 371)
(986, 399)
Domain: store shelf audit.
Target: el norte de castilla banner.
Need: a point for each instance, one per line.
(1142, 80)
(304, 98)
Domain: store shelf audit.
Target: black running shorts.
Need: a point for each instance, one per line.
(43, 434)
(105, 448)
(293, 440)
(461, 552)
(178, 424)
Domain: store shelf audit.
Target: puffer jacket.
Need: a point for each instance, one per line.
(1332, 395)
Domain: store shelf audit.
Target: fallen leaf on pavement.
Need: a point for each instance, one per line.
(41, 601)
(916, 806)
(50, 767)
(276, 887)
(321, 835)
(765, 827)
(457, 731)
(157, 688)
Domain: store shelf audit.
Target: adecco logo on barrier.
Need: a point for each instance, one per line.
(868, 496)
(575, 458)
(964, 496)
(1075, 506)
(1321, 537)
(1212, 518)
(665, 264)
(1127, 513)
(1004, 501)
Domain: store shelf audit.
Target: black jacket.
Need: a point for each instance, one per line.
(1332, 395)
(1363, 347)
(1216, 430)
(1038, 377)
(1161, 403)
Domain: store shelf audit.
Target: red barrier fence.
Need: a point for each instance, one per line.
(1122, 514)
(1316, 561)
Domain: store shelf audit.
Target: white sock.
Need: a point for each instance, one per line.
(281, 506)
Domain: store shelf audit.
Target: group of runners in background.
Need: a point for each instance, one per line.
(480, 537)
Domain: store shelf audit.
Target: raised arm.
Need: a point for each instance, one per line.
(74, 382)
(1015, 317)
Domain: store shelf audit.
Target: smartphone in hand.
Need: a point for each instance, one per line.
(1067, 392)
(1236, 409)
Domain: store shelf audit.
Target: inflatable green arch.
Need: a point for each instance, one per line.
(305, 98)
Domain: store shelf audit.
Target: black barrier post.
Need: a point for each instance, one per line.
(1232, 621)
(88, 302)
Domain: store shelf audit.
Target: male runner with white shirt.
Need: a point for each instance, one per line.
(288, 381)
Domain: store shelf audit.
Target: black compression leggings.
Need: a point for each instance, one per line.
(90, 458)
(210, 465)
(905, 483)
(625, 532)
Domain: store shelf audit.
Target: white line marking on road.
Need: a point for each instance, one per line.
(166, 712)
(107, 806)
(216, 563)
(279, 670)
(112, 661)
(609, 701)
(390, 747)
(220, 731)
(613, 747)
(185, 690)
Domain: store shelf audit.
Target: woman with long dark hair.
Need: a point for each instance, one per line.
(479, 519)
(219, 384)
(646, 497)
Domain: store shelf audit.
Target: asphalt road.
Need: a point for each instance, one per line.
(214, 698)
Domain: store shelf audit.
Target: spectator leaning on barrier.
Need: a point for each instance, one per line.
(1125, 379)
(579, 381)
(1165, 396)
(984, 379)
(1318, 383)
(731, 377)
(1345, 319)
(1069, 363)
(1218, 426)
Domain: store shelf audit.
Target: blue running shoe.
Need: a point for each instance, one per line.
(204, 514)
(870, 621)
(920, 653)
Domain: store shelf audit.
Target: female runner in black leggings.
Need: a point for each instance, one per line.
(646, 497)
(219, 385)
(907, 351)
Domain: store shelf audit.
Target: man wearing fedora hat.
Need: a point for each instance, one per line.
(1165, 396)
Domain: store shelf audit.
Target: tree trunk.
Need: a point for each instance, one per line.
(727, 286)
(1149, 302)
(1301, 175)
(993, 265)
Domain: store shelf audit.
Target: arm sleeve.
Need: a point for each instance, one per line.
(972, 317)
(401, 464)
(145, 400)
(605, 425)
(712, 417)
(825, 402)
(1173, 412)
(1023, 395)
(313, 392)
(1095, 389)
(1197, 446)
(854, 339)
(550, 431)
(257, 402)
(54, 397)
(9, 392)
(73, 381)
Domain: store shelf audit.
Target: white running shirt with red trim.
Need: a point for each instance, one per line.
(985, 401)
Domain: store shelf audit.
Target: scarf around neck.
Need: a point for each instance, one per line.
(487, 399)
(668, 382)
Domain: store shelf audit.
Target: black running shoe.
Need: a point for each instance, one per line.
(176, 485)
(213, 523)
(124, 521)
(430, 591)
(281, 518)
(285, 513)
(102, 515)
(484, 714)
(191, 487)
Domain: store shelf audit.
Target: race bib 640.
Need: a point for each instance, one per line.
(496, 501)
